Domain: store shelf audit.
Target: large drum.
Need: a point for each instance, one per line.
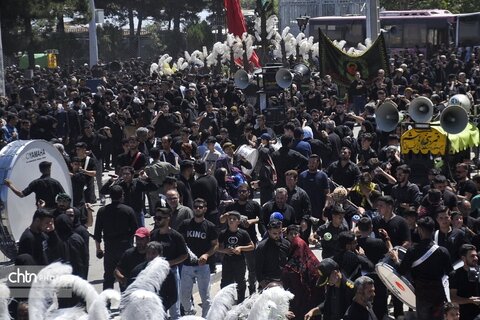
(19, 162)
(396, 283)
(250, 154)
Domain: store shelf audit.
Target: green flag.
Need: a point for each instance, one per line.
(342, 66)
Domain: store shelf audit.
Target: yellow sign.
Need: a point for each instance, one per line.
(52, 60)
(425, 141)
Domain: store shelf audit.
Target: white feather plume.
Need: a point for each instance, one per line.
(153, 68)
(191, 318)
(223, 301)
(300, 37)
(4, 300)
(143, 305)
(368, 42)
(315, 50)
(41, 294)
(275, 300)
(98, 310)
(242, 310)
(150, 279)
(285, 32)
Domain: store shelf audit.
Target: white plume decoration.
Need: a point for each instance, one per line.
(143, 305)
(153, 68)
(223, 301)
(4, 301)
(41, 295)
(273, 303)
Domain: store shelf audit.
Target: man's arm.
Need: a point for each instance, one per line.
(204, 257)
(14, 189)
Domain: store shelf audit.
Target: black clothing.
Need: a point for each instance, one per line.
(427, 278)
(270, 257)
(467, 186)
(300, 201)
(34, 244)
(252, 210)
(337, 300)
(45, 188)
(198, 236)
(115, 222)
(126, 159)
(358, 312)
(409, 193)
(314, 184)
(173, 243)
(396, 227)
(375, 249)
(232, 240)
(206, 187)
(79, 182)
(185, 191)
(466, 288)
(168, 290)
(287, 159)
(270, 207)
(129, 260)
(328, 236)
(346, 175)
(132, 192)
(452, 241)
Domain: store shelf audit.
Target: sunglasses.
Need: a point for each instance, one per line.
(160, 218)
(198, 207)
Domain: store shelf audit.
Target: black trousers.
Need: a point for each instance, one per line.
(113, 253)
(233, 271)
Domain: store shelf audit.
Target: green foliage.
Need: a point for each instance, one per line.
(199, 35)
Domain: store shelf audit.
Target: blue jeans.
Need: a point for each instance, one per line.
(140, 218)
(189, 274)
(174, 310)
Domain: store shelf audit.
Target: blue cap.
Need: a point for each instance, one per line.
(276, 216)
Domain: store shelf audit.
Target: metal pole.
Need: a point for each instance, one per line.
(373, 22)
(2, 74)
(92, 36)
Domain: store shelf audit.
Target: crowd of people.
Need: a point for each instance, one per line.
(326, 177)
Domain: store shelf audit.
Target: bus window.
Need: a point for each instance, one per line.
(432, 37)
(414, 35)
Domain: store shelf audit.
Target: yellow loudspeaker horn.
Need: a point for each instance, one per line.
(454, 119)
(421, 109)
(387, 116)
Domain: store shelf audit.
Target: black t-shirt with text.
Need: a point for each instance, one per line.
(173, 243)
(198, 236)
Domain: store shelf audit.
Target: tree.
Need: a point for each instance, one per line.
(455, 6)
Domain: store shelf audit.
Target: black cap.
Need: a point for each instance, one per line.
(326, 267)
(234, 213)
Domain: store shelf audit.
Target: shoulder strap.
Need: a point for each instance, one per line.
(87, 160)
(425, 256)
(435, 236)
(136, 158)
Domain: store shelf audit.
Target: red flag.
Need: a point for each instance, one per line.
(236, 24)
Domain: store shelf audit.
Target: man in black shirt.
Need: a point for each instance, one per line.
(133, 157)
(297, 197)
(45, 188)
(428, 264)
(205, 187)
(201, 237)
(339, 292)
(233, 241)
(446, 236)
(33, 240)
(132, 257)
(174, 249)
(327, 234)
(344, 172)
(466, 188)
(133, 189)
(464, 284)
(116, 224)
(279, 204)
(361, 307)
(405, 193)
(271, 255)
(250, 210)
(286, 159)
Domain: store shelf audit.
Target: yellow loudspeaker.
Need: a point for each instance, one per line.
(421, 109)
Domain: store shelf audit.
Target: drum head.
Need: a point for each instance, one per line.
(19, 162)
(396, 284)
(250, 154)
